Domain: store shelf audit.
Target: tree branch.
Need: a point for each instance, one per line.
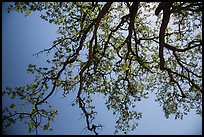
(103, 11)
(185, 49)
(165, 21)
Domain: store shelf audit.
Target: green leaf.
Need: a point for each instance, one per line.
(22, 107)
(198, 36)
(32, 8)
(28, 13)
(168, 94)
(53, 111)
(12, 121)
(12, 106)
(58, 82)
(126, 67)
(32, 101)
(21, 116)
(46, 127)
(33, 111)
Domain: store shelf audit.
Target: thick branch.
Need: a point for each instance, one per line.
(165, 21)
(185, 49)
(179, 7)
(133, 12)
(102, 13)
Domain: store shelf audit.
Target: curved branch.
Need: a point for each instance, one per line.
(165, 21)
(75, 55)
(51, 92)
(48, 49)
(185, 49)
(182, 66)
(103, 11)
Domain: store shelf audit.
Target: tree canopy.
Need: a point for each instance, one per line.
(122, 50)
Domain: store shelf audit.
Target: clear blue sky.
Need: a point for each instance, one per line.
(24, 36)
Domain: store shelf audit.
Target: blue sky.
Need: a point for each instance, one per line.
(24, 36)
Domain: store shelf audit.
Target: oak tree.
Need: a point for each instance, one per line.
(122, 50)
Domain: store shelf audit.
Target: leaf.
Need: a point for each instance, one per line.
(48, 61)
(46, 127)
(28, 13)
(198, 36)
(12, 106)
(32, 101)
(32, 8)
(21, 116)
(89, 106)
(53, 111)
(22, 107)
(58, 82)
(45, 68)
(33, 111)
(12, 121)
(126, 66)
(168, 94)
